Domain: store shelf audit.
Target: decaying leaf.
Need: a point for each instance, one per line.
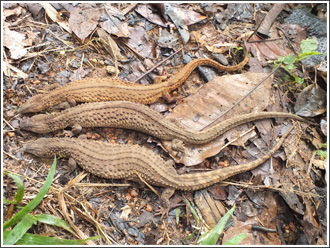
(312, 101)
(149, 12)
(53, 14)
(210, 102)
(15, 42)
(83, 21)
(114, 22)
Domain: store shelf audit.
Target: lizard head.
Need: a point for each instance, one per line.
(32, 105)
(36, 124)
(37, 148)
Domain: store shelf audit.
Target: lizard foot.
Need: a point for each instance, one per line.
(165, 201)
(178, 145)
(163, 212)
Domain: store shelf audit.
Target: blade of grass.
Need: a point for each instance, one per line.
(211, 237)
(236, 240)
(20, 187)
(19, 230)
(192, 210)
(32, 204)
(34, 239)
(53, 220)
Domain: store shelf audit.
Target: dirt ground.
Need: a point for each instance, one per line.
(281, 202)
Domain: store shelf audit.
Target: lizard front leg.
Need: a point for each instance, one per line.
(178, 145)
(76, 129)
(70, 102)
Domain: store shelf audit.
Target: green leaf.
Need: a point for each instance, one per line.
(289, 59)
(5, 201)
(308, 45)
(19, 230)
(324, 145)
(290, 67)
(53, 220)
(34, 239)
(177, 215)
(322, 153)
(192, 210)
(211, 237)
(307, 55)
(236, 240)
(298, 80)
(280, 58)
(32, 204)
(20, 188)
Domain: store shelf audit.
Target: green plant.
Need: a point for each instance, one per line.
(18, 235)
(307, 50)
(211, 237)
(323, 153)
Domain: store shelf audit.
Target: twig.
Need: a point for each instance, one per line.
(161, 62)
(129, 8)
(254, 88)
(256, 29)
(7, 123)
(10, 156)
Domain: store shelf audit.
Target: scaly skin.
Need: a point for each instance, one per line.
(138, 117)
(108, 89)
(127, 161)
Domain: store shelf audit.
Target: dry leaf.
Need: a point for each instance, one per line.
(205, 106)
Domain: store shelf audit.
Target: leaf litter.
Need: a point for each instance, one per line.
(57, 46)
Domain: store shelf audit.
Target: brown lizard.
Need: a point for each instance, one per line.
(129, 115)
(127, 161)
(108, 89)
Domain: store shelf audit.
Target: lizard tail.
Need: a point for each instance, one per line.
(194, 182)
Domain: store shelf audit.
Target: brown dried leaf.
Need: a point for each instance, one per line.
(270, 18)
(312, 101)
(204, 107)
(139, 42)
(150, 12)
(15, 42)
(83, 21)
(115, 22)
(188, 16)
(16, 11)
(109, 44)
(267, 50)
(178, 21)
(53, 14)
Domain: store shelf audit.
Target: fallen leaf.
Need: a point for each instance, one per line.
(210, 102)
(15, 42)
(83, 22)
(53, 14)
(150, 12)
(114, 22)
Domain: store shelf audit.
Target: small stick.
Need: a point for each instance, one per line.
(157, 65)
(263, 80)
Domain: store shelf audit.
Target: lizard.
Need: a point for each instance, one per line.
(138, 117)
(109, 89)
(119, 161)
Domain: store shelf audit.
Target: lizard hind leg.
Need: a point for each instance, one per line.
(165, 202)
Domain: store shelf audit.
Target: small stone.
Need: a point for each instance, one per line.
(10, 113)
(148, 208)
(11, 134)
(88, 135)
(133, 192)
(96, 136)
(133, 231)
